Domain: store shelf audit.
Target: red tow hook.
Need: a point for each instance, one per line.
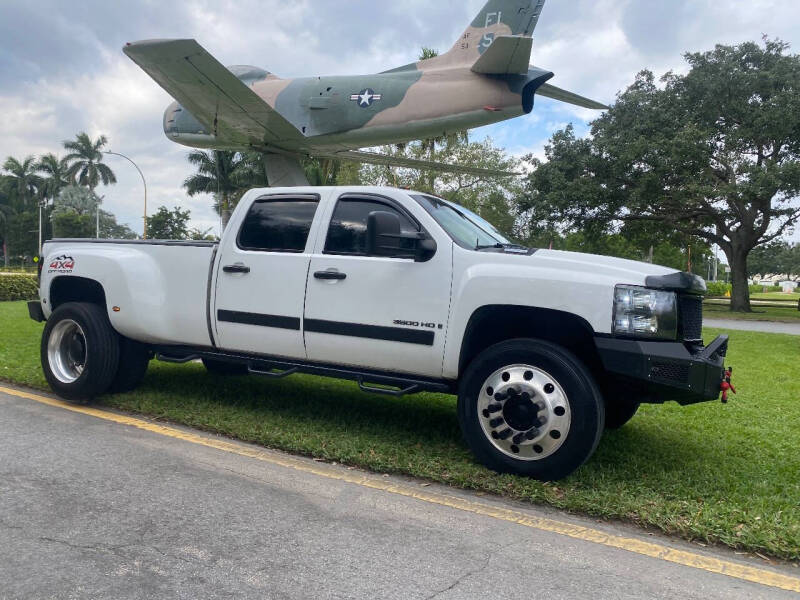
(727, 385)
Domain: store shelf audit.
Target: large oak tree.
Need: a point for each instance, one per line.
(713, 153)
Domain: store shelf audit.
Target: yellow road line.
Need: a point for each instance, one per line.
(681, 557)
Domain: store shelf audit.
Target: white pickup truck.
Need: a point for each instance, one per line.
(402, 292)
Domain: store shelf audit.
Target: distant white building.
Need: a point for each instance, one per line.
(788, 286)
(773, 279)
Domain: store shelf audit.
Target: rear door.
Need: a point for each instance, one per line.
(381, 313)
(261, 277)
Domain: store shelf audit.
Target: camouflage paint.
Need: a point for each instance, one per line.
(322, 105)
(415, 101)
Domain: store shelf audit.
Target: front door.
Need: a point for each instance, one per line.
(388, 314)
(261, 279)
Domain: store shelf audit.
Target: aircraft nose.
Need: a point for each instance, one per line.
(171, 119)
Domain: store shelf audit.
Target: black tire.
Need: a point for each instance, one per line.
(134, 358)
(619, 412)
(585, 403)
(92, 354)
(222, 367)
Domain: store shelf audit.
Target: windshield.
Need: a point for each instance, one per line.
(465, 227)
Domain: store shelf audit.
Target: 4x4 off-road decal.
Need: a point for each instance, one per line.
(61, 264)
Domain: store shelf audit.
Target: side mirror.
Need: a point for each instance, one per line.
(384, 234)
(426, 248)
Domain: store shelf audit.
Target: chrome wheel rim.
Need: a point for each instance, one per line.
(66, 351)
(524, 412)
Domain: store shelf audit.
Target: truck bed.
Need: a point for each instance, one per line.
(157, 291)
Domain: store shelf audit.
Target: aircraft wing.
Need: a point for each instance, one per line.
(228, 108)
(551, 91)
(412, 163)
(508, 55)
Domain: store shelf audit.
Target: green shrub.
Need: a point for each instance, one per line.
(18, 287)
(718, 288)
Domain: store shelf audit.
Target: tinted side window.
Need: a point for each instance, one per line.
(347, 233)
(277, 225)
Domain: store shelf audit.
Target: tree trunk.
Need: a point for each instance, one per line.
(225, 211)
(432, 158)
(5, 253)
(740, 294)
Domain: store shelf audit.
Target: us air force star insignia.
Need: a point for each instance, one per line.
(366, 97)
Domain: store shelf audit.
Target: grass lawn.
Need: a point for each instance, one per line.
(712, 473)
(775, 296)
(779, 314)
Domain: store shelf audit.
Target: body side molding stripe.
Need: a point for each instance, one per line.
(245, 318)
(375, 332)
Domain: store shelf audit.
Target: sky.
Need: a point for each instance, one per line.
(62, 69)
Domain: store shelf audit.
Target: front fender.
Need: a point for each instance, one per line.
(588, 296)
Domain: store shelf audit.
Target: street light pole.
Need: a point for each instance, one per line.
(144, 231)
(99, 200)
(39, 251)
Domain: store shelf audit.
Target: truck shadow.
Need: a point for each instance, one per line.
(336, 414)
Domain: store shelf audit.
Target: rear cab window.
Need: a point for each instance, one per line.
(278, 224)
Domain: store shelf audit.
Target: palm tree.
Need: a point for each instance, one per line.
(219, 173)
(86, 158)
(56, 175)
(322, 171)
(22, 182)
(251, 171)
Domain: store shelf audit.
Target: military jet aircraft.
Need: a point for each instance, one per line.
(486, 77)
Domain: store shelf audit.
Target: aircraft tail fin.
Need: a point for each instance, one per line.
(499, 18)
(508, 55)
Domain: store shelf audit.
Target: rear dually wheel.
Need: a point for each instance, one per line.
(79, 351)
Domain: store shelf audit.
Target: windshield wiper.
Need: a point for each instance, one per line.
(501, 246)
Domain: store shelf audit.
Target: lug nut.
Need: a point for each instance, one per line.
(493, 408)
(496, 422)
(503, 435)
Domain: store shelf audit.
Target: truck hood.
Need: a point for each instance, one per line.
(622, 270)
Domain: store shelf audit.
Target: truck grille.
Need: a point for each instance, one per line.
(691, 317)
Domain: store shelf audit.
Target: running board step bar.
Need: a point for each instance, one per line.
(373, 382)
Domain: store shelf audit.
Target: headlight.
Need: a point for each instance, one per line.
(640, 312)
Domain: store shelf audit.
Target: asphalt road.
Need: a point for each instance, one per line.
(92, 508)
(763, 326)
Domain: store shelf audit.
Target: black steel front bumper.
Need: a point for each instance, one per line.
(662, 371)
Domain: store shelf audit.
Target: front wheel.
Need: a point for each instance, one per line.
(530, 407)
(79, 351)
